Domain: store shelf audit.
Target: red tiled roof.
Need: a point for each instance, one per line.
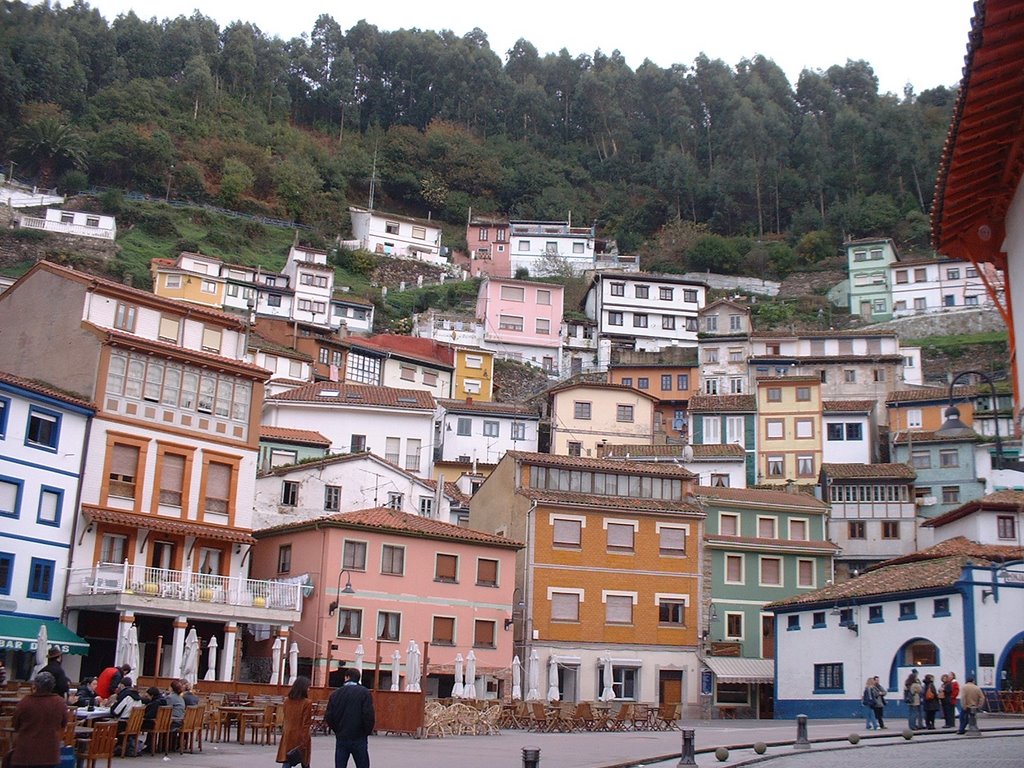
(1000, 501)
(719, 451)
(716, 403)
(350, 298)
(836, 471)
(940, 394)
(801, 379)
(961, 546)
(607, 465)
(759, 543)
(710, 494)
(393, 521)
(119, 289)
(602, 501)
(42, 388)
(424, 349)
(167, 525)
(674, 451)
(847, 406)
(301, 436)
(498, 409)
(599, 385)
(357, 395)
(130, 340)
(921, 436)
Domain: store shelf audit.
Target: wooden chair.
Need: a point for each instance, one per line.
(215, 723)
(69, 730)
(564, 718)
(265, 724)
(586, 718)
(317, 723)
(132, 729)
(191, 729)
(538, 719)
(668, 715)
(623, 719)
(160, 733)
(100, 745)
(641, 718)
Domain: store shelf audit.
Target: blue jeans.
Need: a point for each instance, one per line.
(870, 720)
(914, 716)
(356, 747)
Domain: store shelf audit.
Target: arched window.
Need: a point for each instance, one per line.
(920, 653)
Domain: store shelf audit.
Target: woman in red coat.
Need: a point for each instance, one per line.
(298, 716)
(39, 721)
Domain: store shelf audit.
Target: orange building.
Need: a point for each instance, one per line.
(610, 579)
(671, 376)
(924, 408)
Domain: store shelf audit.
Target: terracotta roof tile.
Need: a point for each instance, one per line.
(130, 340)
(710, 494)
(847, 406)
(424, 349)
(599, 385)
(719, 451)
(1000, 501)
(499, 409)
(837, 471)
(608, 465)
(674, 451)
(938, 566)
(43, 388)
(793, 544)
(904, 437)
(167, 525)
(357, 395)
(610, 502)
(716, 403)
(940, 394)
(302, 436)
(386, 519)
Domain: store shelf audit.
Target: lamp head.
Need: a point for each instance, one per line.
(952, 426)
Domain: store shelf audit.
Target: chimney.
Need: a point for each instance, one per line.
(469, 400)
(791, 486)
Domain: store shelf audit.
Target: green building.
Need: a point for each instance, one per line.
(760, 546)
(868, 261)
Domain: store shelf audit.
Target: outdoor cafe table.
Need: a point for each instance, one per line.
(97, 713)
(240, 714)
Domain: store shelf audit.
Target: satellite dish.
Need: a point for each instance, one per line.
(687, 453)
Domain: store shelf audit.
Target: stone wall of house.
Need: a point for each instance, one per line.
(949, 322)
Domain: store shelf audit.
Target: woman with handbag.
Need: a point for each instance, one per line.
(295, 745)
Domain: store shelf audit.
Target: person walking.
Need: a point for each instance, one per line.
(298, 715)
(931, 701)
(880, 694)
(61, 684)
(912, 695)
(869, 700)
(350, 715)
(972, 699)
(38, 722)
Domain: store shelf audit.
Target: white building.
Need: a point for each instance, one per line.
(545, 248)
(405, 362)
(643, 312)
(954, 607)
(997, 518)
(874, 513)
(391, 234)
(344, 483)
(351, 312)
(312, 281)
(936, 285)
(724, 348)
(469, 430)
(847, 431)
(72, 223)
(288, 368)
(397, 424)
(42, 455)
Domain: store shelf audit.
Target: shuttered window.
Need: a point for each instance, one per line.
(444, 631)
(771, 571)
(620, 537)
(483, 634)
(672, 542)
(565, 606)
(124, 466)
(618, 609)
(734, 569)
(487, 572)
(447, 568)
(567, 533)
(218, 487)
(172, 476)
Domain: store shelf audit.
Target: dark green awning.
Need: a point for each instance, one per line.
(19, 634)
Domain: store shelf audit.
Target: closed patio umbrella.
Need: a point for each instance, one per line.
(553, 694)
(412, 668)
(293, 662)
(533, 671)
(396, 670)
(211, 659)
(42, 648)
(275, 661)
(608, 693)
(131, 652)
(459, 686)
(517, 677)
(360, 653)
(190, 658)
(469, 691)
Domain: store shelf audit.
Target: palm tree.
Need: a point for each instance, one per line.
(47, 146)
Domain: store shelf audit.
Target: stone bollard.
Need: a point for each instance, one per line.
(972, 722)
(531, 757)
(801, 733)
(687, 756)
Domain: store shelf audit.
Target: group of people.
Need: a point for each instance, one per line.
(925, 700)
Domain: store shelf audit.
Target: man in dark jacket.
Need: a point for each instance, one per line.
(350, 715)
(61, 686)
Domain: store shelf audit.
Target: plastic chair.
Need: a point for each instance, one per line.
(100, 745)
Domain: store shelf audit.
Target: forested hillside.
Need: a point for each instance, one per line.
(183, 109)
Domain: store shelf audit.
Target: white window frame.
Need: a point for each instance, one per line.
(761, 560)
(743, 569)
(732, 516)
(725, 625)
(814, 573)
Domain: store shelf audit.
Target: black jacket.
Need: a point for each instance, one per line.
(61, 685)
(350, 712)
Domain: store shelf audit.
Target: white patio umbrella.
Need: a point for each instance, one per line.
(533, 671)
(417, 667)
(553, 694)
(42, 647)
(396, 670)
(131, 650)
(410, 667)
(517, 677)
(293, 662)
(211, 660)
(275, 661)
(360, 653)
(608, 693)
(459, 686)
(469, 691)
(190, 658)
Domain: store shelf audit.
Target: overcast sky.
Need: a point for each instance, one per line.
(922, 42)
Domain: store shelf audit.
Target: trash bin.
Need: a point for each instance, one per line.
(67, 757)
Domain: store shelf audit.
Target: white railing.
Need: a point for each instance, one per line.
(32, 222)
(107, 578)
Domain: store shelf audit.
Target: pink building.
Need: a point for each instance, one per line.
(412, 579)
(522, 320)
(488, 247)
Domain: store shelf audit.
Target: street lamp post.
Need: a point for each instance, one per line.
(953, 426)
(339, 591)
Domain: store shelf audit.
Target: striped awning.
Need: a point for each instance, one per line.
(735, 669)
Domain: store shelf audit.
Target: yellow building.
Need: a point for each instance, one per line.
(179, 279)
(585, 416)
(474, 375)
(789, 429)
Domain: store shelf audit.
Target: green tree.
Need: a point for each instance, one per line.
(48, 146)
(236, 179)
